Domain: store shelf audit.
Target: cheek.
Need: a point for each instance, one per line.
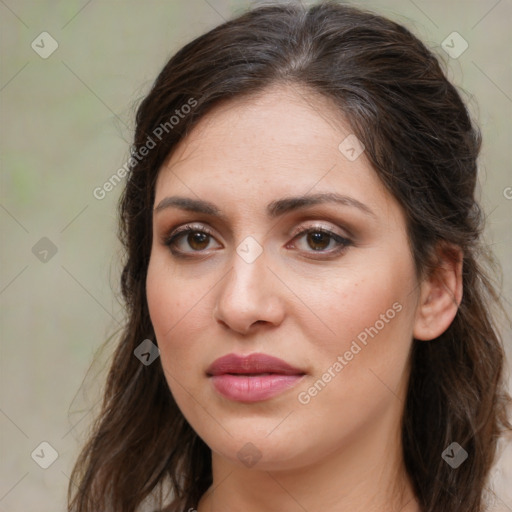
(369, 313)
(181, 314)
(359, 302)
(172, 296)
(167, 308)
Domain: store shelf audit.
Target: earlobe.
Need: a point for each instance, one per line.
(440, 295)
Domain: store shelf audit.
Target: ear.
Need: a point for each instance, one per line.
(440, 294)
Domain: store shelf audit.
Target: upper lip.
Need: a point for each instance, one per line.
(251, 364)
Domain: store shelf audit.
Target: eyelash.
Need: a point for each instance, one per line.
(171, 239)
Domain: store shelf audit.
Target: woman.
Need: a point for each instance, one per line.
(302, 244)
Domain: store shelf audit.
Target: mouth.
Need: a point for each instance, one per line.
(252, 374)
(252, 378)
(252, 364)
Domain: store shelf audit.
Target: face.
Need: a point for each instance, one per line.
(325, 283)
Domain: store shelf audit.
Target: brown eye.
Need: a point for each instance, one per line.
(318, 240)
(196, 240)
(188, 240)
(321, 240)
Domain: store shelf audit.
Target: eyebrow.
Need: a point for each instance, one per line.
(275, 208)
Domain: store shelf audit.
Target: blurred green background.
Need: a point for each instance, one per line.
(66, 125)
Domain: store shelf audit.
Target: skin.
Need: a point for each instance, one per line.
(340, 451)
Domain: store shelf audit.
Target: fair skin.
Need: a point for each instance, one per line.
(300, 300)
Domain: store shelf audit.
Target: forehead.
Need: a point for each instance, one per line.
(279, 120)
(283, 141)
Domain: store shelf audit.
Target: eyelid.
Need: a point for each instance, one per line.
(342, 241)
(317, 225)
(187, 227)
(172, 235)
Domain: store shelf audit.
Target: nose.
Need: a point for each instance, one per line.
(249, 295)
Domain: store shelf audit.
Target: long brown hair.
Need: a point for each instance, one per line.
(423, 145)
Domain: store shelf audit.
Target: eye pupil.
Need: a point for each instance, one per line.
(196, 238)
(317, 237)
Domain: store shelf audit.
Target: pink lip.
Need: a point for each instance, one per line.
(252, 378)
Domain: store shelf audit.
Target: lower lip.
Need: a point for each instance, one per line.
(244, 388)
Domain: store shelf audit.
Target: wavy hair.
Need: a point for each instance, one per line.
(421, 143)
